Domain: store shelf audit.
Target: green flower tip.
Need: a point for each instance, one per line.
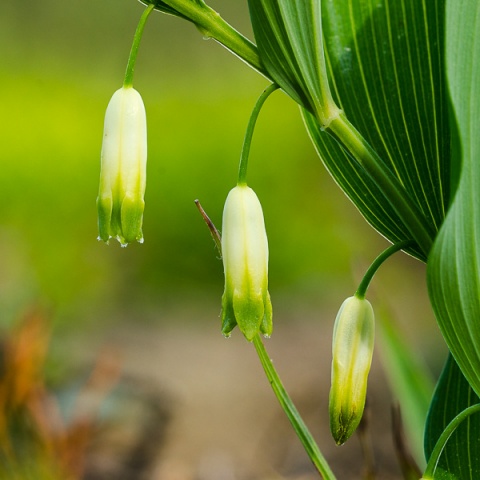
(120, 201)
(352, 349)
(246, 301)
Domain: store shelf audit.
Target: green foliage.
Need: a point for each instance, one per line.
(454, 265)
(385, 64)
(289, 37)
(460, 459)
(163, 7)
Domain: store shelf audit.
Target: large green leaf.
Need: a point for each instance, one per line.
(384, 60)
(454, 264)
(385, 64)
(460, 459)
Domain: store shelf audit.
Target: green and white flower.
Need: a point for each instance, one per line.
(246, 301)
(120, 201)
(352, 349)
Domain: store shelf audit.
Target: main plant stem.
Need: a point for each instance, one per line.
(290, 410)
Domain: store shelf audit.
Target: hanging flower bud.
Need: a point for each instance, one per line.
(120, 201)
(353, 339)
(245, 301)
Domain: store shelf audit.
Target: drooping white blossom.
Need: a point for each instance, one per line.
(246, 301)
(120, 201)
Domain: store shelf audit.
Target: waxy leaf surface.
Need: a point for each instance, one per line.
(460, 460)
(454, 264)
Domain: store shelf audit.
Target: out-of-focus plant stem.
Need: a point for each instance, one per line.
(290, 410)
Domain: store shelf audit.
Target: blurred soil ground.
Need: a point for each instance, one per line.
(197, 406)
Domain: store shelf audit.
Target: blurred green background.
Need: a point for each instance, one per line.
(60, 64)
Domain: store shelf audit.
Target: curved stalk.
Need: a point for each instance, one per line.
(290, 410)
(443, 439)
(372, 270)
(242, 170)
(127, 82)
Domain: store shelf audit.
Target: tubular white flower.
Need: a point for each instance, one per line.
(120, 202)
(246, 300)
(353, 341)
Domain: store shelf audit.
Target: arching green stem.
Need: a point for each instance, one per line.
(212, 25)
(296, 420)
(362, 288)
(442, 441)
(242, 171)
(128, 81)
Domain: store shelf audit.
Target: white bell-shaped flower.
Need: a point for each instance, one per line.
(246, 301)
(120, 201)
(352, 349)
